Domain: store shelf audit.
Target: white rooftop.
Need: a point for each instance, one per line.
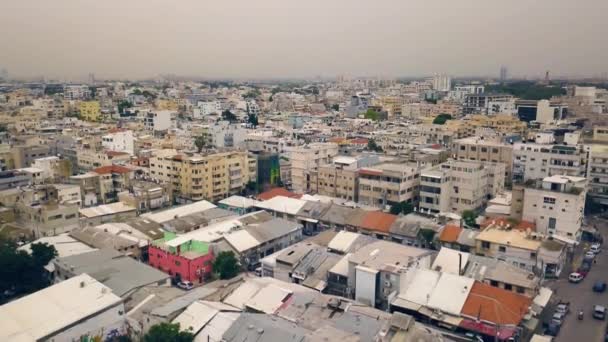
(282, 204)
(106, 209)
(417, 285)
(450, 293)
(241, 240)
(63, 243)
(239, 202)
(342, 241)
(49, 310)
(184, 210)
(448, 260)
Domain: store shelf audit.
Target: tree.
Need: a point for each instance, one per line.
(200, 142)
(137, 91)
(228, 116)
(402, 208)
(253, 120)
(21, 272)
(122, 105)
(164, 332)
(469, 217)
(372, 115)
(335, 107)
(226, 265)
(442, 119)
(372, 146)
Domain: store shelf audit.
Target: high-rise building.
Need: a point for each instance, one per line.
(442, 82)
(3, 74)
(504, 73)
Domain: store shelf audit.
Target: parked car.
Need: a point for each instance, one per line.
(575, 277)
(558, 318)
(552, 329)
(590, 255)
(599, 286)
(185, 285)
(563, 308)
(599, 312)
(595, 248)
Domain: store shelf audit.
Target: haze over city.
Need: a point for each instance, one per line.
(274, 38)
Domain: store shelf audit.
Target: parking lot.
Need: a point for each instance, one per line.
(582, 297)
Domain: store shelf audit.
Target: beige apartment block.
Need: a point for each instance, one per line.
(388, 184)
(306, 159)
(485, 150)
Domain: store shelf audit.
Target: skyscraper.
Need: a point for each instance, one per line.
(4, 74)
(442, 82)
(503, 73)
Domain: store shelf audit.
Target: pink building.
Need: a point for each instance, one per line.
(182, 258)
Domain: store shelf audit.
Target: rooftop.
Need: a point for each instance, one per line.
(106, 209)
(491, 304)
(173, 213)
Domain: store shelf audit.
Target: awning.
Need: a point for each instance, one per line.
(564, 239)
(405, 304)
(308, 219)
(541, 300)
(440, 316)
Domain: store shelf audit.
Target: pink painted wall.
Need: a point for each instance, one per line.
(187, 268)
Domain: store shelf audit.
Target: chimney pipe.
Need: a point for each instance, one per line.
(459, 264)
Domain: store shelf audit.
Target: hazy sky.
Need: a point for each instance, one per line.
(302, 38)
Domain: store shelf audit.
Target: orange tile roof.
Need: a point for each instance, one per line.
(104, 170)
(337, 140)
(377, 221)
(115, 153)
(264, 196)
(359, 141)
(450, 233)
(495, 305)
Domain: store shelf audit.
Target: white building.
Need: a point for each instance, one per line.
(225, 134)
(68, 311)
(537, 161)
(308, 158)
(119, 141)
(47, 165)
(161, 120)
(556, 205)
(206, 108)
(442, 82)
(76, 92)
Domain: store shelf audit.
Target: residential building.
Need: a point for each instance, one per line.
(25, 155)
(14, 178)
(489, 104)
(485, 150)
(146, 196)
(76, 92)
(212, 176)
(89, 158)
(442, 83)
(502, 123)
(183, 258)
(537, 161)
(112, 180)
(90, 110)
(598, 174)
(53, 168)
(78, 308)
(119, 141)
(459, 185)
(225, 134)
(388, 184)
(307, 158)
(160, 120)
(556, 205)
(105, 213)
(120, 237)
(49, 218)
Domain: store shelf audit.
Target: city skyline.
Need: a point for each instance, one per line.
(272, 39)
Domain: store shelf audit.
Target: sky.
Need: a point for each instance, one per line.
(68, 39)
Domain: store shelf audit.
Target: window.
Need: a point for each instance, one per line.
(494, 283)
(549, 200)
(177, 263)
(502, 249)
(520, 289)
(552, 223)
(508, 287)
(485, 244)
(532, 255)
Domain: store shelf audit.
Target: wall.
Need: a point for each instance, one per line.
(187, 268)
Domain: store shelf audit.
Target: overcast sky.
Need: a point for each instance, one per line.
(302, 38)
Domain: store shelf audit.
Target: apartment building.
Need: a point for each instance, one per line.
(502, 123)
(485, 150)
(306, 159)
(90, 110)
(160, 120)
(25, 155)
(489, 104)
(119, 140)
(76, 92)
(537, 161)
(543, 111)
(556, 204)
(89, 158)
(459, 185)
(226, 134)
(388, 184)
(195, 177)
(598, 174)
(340, 179)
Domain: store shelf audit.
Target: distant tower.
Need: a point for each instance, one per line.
(504, 73)
(91, 78)
(4, 74)
(547, 77)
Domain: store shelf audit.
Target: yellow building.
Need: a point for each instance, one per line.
(166, 105)
(90, 110)
(503, 123)
(202, 176)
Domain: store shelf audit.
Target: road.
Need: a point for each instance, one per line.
(581, 296)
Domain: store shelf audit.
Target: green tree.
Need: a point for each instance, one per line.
(442, 119)
(253, 120)
(200, 142)
(402, 208)
(469, 217)
(229, 116)
(137, 91)
(122, 105)
(335, 107)
(372, 115)
(372, 146)
(226, 265)
(167, 332)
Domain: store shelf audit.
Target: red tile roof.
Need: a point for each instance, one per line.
(115, 153)
(264, 196)
(337, 140)
(496, 305)
(450, 233)
(359, 141)
(377, 221)
(112, 169)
